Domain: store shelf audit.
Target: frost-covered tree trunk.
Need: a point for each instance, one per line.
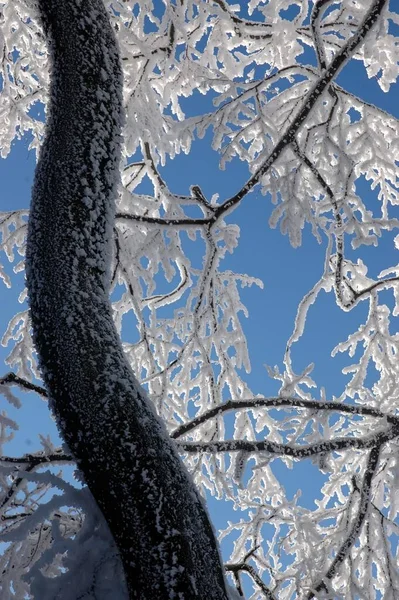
(153, 510)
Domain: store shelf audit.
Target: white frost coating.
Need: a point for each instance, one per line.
(190, 353)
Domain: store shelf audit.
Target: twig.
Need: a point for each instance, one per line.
(365, 497)
(276, 402)
(12, 379)
(295, 451)
(39, 458)
(251, 571)
(309, 102)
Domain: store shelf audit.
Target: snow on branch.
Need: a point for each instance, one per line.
(12, 379)
(322, 447)
(308, 143)
(309, 102)
(358, 522)
(272, 403)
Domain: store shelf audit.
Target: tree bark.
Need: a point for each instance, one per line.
(131, 466)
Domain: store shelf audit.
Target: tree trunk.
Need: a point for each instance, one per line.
(131, 466)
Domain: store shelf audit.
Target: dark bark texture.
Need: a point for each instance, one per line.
(130, 464)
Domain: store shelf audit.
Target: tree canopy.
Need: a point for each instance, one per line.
(260, 78)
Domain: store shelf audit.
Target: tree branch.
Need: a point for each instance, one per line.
(13, 489)
(295, 451)
(365, 496)
(339, 238)
(251, 571)
(276, 402)
(39, 458)
(317, 13)
(12, 379)
(165, 222)
(309, 102)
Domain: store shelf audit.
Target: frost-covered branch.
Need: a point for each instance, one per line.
(165, 222)
(309, 102)
(39, 458)
(6, 500)
(358, 522)
(307, 451)
(12, 379)
(247, 568)
(272, 403)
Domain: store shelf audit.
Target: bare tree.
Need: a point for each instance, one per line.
(290, 121)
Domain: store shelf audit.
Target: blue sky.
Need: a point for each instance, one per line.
(287, 274)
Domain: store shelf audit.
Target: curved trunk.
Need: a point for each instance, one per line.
(130, 465)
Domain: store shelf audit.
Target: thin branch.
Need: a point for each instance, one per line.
(245, 23)
(195, 189)
(14, 488)
(309, 102)
(152, 166)
(295, 451)
(251, 571)
(165, 222)
(39, 458)
(339, 238)
(353, 96)
(365, 497)
(339, 278)
(12, 379)
(161, 299)
(116, 258)
(317, 13)
(376, 286)
(276, 402)
(198, 194)
(206, 274)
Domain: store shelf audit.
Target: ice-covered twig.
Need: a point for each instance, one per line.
(338, 219)
(246, 23)
(364, 504)
(39, 458)
(317, 13)
(14, 488)
(309, 102)
(164, 222)
(246, 568)
(279, 401)
(24, 384)
(295, 451)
